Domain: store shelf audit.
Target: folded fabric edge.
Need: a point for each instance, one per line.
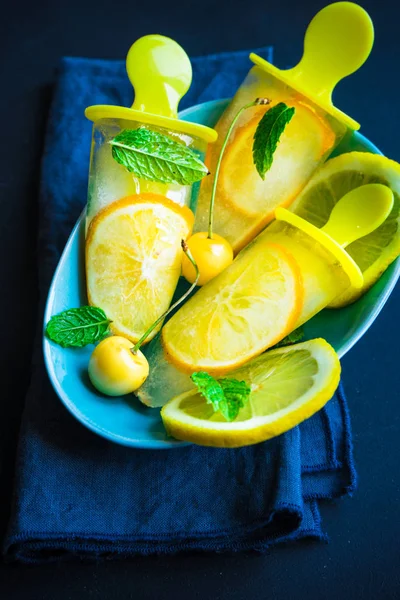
(350, 488)
(342, 481)
(328, 483)
(36, 551)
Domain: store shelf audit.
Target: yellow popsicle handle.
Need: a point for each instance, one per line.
(344, 259)
(160, 72)
(337, 42)
(359, 212)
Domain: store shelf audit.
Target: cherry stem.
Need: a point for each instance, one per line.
(256, 102)
(186, 250)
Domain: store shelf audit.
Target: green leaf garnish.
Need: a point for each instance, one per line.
(156, 157)
(237, 394)
(267, 136)
(78, 327)
(293, 338)
(226, 395)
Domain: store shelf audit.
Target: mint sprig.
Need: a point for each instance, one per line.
(293, 338)
(225, 395)
(78, 327)
(267, 136)
(156, 157)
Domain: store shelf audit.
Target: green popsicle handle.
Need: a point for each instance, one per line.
(337, 42)
(160, 72)
(359, 212)
(354, 216)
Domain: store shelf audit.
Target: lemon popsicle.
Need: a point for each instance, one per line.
(144, 167)
(327, 269)
(219, 328)
(337, 42)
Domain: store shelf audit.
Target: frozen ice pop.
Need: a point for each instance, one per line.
(144, 162)
(337, 42)
(326, 270)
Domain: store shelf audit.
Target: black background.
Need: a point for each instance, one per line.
(362, 558)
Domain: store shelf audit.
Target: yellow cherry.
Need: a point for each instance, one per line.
(114, 369)
(210, 251)
(117, 366)
(212, 256)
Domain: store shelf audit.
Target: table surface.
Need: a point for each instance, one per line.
(361, 560)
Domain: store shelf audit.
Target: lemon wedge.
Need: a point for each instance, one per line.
(374, 252)
(133, 260)
(288, 385)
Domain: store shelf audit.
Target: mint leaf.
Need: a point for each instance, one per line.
(293, 338)
(208, 387)
(78, 327)
(156, 157)
(237, 394)
(267, 136)
(226, 395)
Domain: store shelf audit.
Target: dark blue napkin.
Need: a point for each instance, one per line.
(79, 495)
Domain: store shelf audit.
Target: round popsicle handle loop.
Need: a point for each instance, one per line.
(359, 212)
(338, 41)
(160, 72)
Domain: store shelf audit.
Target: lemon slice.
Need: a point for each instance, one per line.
(133, 260)
(249, 307)
(245, 203)
(305, 140)
(374, 252)
(288, 385)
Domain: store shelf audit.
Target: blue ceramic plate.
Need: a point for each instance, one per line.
(124, 420)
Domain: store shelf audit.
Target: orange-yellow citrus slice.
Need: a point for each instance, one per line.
(133, 260)
(249, 307)
(288, 385)
(305, 140)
